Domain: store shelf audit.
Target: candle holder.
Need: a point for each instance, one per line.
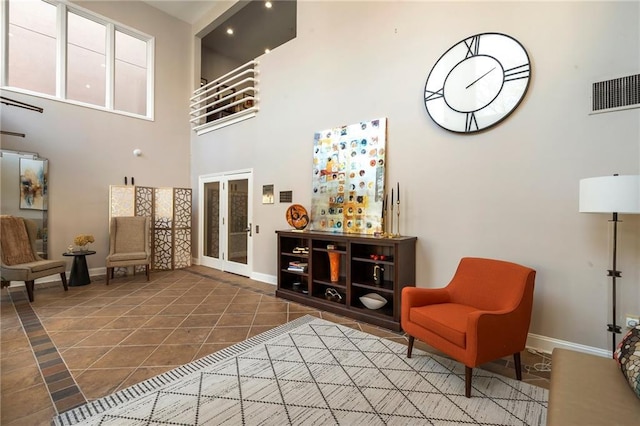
(390, 229)
(397, 234)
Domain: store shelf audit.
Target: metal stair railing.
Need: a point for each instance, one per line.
(226, 100)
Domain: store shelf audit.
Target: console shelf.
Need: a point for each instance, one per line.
(394, 258)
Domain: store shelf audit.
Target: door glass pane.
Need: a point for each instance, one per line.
(32, 28)
(238, 220)
(212, 219)
(131, 74)
(86, 60)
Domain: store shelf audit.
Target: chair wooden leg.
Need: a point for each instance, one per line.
(468, 371)
(63, 277)
(410, 346)
(109, 274)
(147, 272)
(29, 285)
(518, 365)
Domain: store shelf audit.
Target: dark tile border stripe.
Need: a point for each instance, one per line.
(63, 389)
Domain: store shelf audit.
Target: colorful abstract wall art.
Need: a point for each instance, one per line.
(33, 184)
(348, 178)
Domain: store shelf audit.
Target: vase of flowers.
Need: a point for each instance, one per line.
(82, 240)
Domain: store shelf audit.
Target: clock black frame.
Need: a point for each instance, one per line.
(514, 61)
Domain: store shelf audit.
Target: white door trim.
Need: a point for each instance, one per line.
(220, 263)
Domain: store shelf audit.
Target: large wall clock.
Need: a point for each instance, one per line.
(477, 83)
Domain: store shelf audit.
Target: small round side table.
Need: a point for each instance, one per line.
(79, 271)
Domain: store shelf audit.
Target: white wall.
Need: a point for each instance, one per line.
(510, 192)
(88, 150)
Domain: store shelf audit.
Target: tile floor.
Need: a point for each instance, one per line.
(67, 348)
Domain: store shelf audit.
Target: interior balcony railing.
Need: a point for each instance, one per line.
(226, 100)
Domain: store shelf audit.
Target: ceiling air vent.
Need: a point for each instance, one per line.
(616, 94)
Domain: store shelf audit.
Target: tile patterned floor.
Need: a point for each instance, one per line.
(67, 348)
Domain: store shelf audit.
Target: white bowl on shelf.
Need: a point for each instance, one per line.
(373, 301)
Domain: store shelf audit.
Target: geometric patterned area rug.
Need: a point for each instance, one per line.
(314, 372)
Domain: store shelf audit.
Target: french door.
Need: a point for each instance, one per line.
(225, 241)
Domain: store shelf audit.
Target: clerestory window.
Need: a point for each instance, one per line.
(55, 49)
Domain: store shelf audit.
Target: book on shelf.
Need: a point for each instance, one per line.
(298, 266)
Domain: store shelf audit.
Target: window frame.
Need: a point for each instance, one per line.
(61, 58)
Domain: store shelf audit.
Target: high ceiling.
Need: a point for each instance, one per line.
(255, 26)
(188, 10)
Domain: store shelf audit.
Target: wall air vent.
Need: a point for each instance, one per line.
(286, 196)
(616, 94)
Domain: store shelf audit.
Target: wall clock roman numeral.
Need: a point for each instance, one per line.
(473, 45)
(517, 73)
(429, 95)
(471, 123)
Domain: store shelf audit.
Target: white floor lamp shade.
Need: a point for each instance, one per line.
(610, 194)
(614, 195)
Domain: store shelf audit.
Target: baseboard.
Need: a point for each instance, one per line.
(546, 344)
(265, 278)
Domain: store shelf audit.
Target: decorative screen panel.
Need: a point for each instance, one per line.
(182, 248)
(162, 249)
(122, 201)
(170, 209)
(144, 201)
(182, 208)
(163, 217)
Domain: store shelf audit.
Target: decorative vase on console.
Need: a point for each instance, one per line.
(378, 275)
(82, 241)
(334, 263)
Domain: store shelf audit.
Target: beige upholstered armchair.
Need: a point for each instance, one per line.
(129, 243)
(20, 260)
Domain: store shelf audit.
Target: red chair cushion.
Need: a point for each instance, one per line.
(448, 320)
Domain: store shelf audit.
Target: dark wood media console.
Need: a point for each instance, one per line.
(368, 264)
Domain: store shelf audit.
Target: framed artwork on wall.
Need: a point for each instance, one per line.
(33, 184)
(348, 178)
(267, 194)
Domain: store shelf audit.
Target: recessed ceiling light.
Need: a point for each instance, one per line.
(267, 50)
(88, 86)
(230, 31)
(268, 4)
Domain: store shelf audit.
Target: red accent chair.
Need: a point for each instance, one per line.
(483, 314)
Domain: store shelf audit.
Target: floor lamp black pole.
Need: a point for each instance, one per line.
(614, 273)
